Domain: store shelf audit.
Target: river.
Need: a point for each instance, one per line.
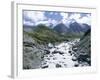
(60, 55)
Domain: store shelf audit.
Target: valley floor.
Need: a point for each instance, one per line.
(61, 56)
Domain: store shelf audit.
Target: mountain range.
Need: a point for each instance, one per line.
(74, 28)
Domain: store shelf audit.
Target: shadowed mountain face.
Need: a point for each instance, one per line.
(61, 28)
(73, 28)
(86, 27)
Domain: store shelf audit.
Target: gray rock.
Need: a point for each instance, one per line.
(76, 65)
(32, 54)
(45, 67)
(74, 58)
(58, 65)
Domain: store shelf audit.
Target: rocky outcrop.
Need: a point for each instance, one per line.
(32, 53)
(82, 50)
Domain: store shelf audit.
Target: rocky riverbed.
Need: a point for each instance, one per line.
(60, 55)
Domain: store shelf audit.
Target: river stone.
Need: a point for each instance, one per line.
(74, 49)
(45, 67)
(54, 52)
(54, 58)
(64, 58)
(74, 58)
(48, 58)
(61, 52)
(58, 65)
(69, 51)
(65, 65)
(47, 51)
(76, 65)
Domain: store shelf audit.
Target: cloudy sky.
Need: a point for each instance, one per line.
(48, 17)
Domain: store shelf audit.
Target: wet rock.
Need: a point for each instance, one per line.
(69, 51)
(44, 63)
(89, 61)
(50, 45)
(76, 65)
(65, 65)
(74, 49)
(54, 58)
(62, 62)
(27, 67)
(42, 57)
(47, 51)
(84, 64)
(61, 53)
(51, 56)
(45, 67)
(58, 65)
(64, 58)
(74, 59)
(71, 54)
(48, 58)
(54, 52)
(28, 44)
(83, 58)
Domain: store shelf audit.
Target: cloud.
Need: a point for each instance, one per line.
(28, 23)
(34, 16)
(48, 18)
(85, 19)
(52, 21)
(75, 16)
(42, 22)
(64, 17)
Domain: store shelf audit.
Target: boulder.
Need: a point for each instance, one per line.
(45, 67)
(58, 65)
(74, 58)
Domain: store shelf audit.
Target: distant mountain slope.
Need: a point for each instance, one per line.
(78, 28)
(28, 28)
(73, 28)
(61, 28)
(43, 34)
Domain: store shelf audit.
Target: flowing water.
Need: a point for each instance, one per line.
(60, 56)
